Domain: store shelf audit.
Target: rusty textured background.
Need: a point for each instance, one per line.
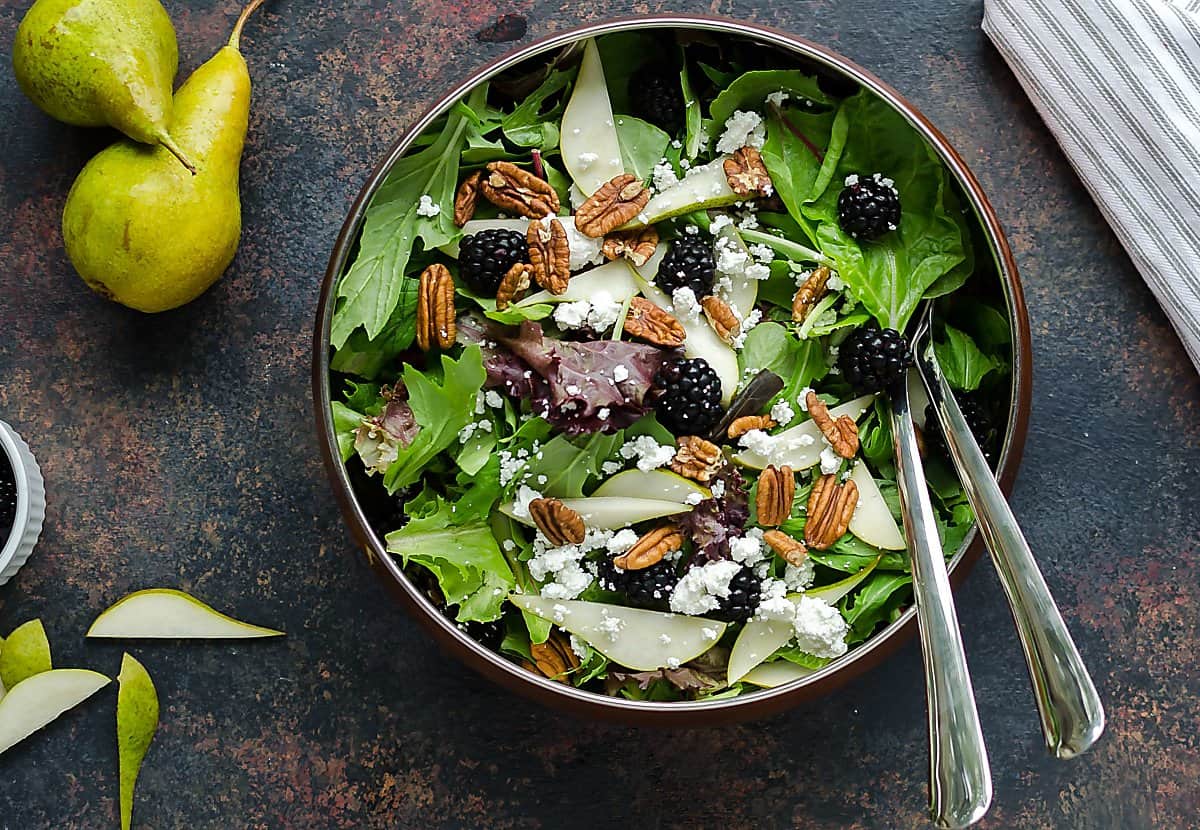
(178, 452)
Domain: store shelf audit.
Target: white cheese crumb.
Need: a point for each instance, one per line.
(572, 315)
(802, 398)
(830, 460)
(777, 98)
(579, 647)
(701, 589)
(718, 222)
(718, 488)
(799, 578)
(427, 207)
(559, 612)
(693, 498)
(782, 413)
(620, 373)
(622, 541)
(525, 495)
(649, 453)
(740, 131)
(761, 252)
(509, 545)
(747, 549)
(773, 603)
(752, 320)
(664, 176)
(492, 398)
(851, 180)
(665, 639)
(685, 305)
(588, 158)
(603, 412)
(835, 283)
(708, 633)
(610, 625)
(820, 628)
(604, 311)
(577, 197)
(672, 662)
(610, 467)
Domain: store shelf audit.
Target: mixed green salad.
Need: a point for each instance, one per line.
(613, 354)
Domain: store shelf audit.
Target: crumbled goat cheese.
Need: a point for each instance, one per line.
(685, 305)
(693, 498)
(749, 222)
(761, 252)
(603, 412)
(820, 628)
(579, 647)
(509, 545)
(701, 589)
(720, 221)
(707, 633)
(799, 578)
(610, 467)
(610, 625)
(604, 311)
(752, 320)
(479, 403)
(747, 549)
(830, 460)
(802, 398)
(577, 197)
(718, 488)
(649, 453)
(782, 413)
(572, 315)
(673, 662)
(525, 494)
(427, 207)
(620, 373)
(731, 260)
(758, 271)
(562, 569)
(588, 158)
(676, 143)
(584, 250)
(622, 541)
(665, 639)
(777, 98)
(664, 176)
(773, 603)
(492, 398)
(510, 465)
(851, 180)
(776, 449)
(742, 129)
(835, 283)
(464, 434)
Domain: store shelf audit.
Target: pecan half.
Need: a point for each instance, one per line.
(790, 550)
(511, 188)
(435, 309)
(466, 197)
(558, 523)
(830, 508)
(744, 424)
(810, 293)
(746, 173)
(514, 285)
(636, 244)
(776, 492)
(721, 317)
(615, 203)
(647, 321)
(651, 548)
(697, 458)
(550, 255)
(841, 434)
(554, 658)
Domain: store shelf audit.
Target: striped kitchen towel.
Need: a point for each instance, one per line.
(1118, 83)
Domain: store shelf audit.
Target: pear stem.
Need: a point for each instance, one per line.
(166, 141)
(236, 36)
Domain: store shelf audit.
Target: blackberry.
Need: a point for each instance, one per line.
(744, 593)
(687, 396)
(868, 207)
(977, 419)
(689, 263)
(485, 257)
(872, 359)
(647, 588)
(656, 95)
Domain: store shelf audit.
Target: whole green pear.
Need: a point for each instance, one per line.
(138, 228)
(97, 63)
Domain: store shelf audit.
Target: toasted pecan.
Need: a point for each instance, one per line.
(841, 434)
(549, 254)
(514, 285)
(721, 317)
(466, 198)
(435, 308)
(744, 424)
(650, 548)
(810, 293)
(830, 508)
(790, 550)
(511, 188)
(615, 203)
(558, 523)
(648, 322)
(637, 244)
(776, 492)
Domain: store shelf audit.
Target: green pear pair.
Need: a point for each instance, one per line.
(154, 221)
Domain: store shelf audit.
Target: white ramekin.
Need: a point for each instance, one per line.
(31, 503)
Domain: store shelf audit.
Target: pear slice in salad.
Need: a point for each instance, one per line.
(38, 700)
(591, 151)
(652, 484)
(802, 444)
(610, 512)
(633, 637)
(164, 613)
(611, 277)
(703, 187)
(701, 340)
(743, 291)
(759, 639)
(776, 673)
(26, 652)
(872, 520)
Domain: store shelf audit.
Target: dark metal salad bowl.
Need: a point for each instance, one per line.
(995, 258)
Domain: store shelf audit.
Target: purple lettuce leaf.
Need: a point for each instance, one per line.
(713, 522)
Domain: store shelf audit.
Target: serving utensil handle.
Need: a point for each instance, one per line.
(960, 779)
(1070, 709)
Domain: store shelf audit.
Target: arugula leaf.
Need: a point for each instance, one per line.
(460, 551)
(749, 90)
(801, 658)
(568, 467)
(693, 123)
(800, 172)
(642, 145)
(367, 357)
(371, 290)
(440, 411)
(963, 364)
(891, 275)
(799, 362)
(514, 315)
(874, 602)
(528, 125)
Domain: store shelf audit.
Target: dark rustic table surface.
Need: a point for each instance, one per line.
(179, 451)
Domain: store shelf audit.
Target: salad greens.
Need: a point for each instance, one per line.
(513, 473)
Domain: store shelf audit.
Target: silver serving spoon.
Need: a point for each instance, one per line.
(1071, 713)
(960, 778)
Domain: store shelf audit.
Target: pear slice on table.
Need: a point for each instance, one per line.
(164, 613)
(140, 230)
(26, 652)
(137, 721)
(38, 700)
(96, 63)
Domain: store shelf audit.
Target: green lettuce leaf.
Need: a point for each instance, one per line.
(441, 411)
(962, 362)
(642, 145)
(874, 602)
(692, 119)
(530, 125)
(799, 362)
(750, 90)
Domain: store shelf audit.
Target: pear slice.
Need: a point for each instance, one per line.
(612, 277)
(2, 689)
(164, 613)
(652, 484)
(137, 721)
(36, 701)
(611, 513)
(759, 639)
(872, 521)
(633, 637)
(591, 151)
(803, 453)
(701, 340)
(702, 188)
(777, 673)
(26, 653)
(743, 292)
